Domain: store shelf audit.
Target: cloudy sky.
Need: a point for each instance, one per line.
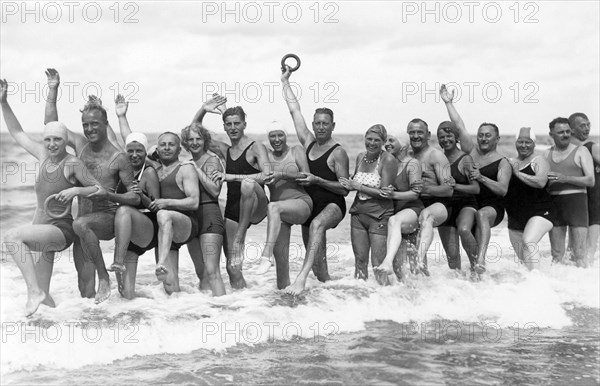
(515, 64)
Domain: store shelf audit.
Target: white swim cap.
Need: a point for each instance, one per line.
(137, 137)
(525, 132)
(276, 126)
(55, 129)
(403, 139)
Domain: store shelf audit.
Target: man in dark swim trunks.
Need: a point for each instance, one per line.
(176, 209)
(246, 166)
(327, 162)
(580, 127)
(571, 172)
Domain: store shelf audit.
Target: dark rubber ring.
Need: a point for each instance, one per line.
(291, 56)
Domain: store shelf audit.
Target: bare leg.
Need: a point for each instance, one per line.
(126, 280)
(130, 225)
(430, 217)
(378, 249)
(485, 218)
(282, 253)
(86, 271)
(236, 278)
(22, 241)
(212, 244)
(579, 237)
(253, 208)
(558, 237)
(405, 221)
(173, 226)
(360, 247)
(449, 237)
(92, 228)
(195, 251)
(294, 211)
(592, 242)
(43, 270)
(329, 217)
(535, 229)
(171, 282)
(464, 224)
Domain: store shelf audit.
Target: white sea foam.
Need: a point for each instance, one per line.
(77, 332)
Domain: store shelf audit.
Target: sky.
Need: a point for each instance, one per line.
(512, 63)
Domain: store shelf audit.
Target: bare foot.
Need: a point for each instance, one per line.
(161, 272)
(117, 267)
(479, 269)
(264, 265)
(296, 288)
(48, 301)
(103, 291)
(34, 299)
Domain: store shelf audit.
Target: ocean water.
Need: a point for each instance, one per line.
(512, 327)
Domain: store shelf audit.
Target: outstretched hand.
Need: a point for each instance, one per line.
(216, 104)
(53, 77)
(446, 96)
(121, 106)
(3, 90)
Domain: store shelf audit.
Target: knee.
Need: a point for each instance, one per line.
(316, 226)
(13, 236)
(123, 210)
(273, 210)
(163, 218)
(247, 187)
(464, 230)
(80, 226)
(394, 222)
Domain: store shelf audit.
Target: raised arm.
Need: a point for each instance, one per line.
(304, 135)
(34, 148)
(215, 105)
(466, 143)
(541, 168)
(121, 107)
(51, 112)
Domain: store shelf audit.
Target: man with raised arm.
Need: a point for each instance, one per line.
(176, 209)
(107, 164)
(571, 172)
(492, 170)
(437, 187)
(580, 127)
(328, 162)
(246, 166)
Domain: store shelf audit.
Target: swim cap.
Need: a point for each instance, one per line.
(403, 139)
(525, 132)
(152, 153)
(379, 130)
(55, 129)
(137, 137)
(276, 126)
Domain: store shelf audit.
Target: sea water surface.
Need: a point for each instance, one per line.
(512, 327)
